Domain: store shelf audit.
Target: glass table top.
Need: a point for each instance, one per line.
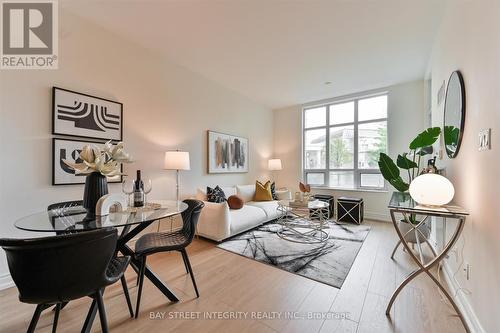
(313, 204)
(75, 218)
(404, 202)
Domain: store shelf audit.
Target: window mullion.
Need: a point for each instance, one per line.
(327, 133)
(357, 177)
(304, 173)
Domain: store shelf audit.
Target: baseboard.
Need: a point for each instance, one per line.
(370, 215)
(6, 281)
(461, 300)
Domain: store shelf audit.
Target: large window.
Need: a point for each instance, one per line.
(342, 143)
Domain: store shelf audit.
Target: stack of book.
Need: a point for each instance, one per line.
(298, 204)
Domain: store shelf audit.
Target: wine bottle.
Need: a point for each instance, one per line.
(139, 191)
(431, 164)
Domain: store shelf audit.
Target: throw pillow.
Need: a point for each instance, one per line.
(263, 191)
(215, 194)
(235, 202)
(273, 191)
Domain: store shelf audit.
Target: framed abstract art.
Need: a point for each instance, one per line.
(87, 116)
(70, 149)
(227, 153)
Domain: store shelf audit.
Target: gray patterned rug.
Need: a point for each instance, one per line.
(327, 262)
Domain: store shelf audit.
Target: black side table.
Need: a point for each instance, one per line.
(350, 210)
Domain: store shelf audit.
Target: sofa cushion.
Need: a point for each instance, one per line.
(201, 193)
(246, 218)
(214, 221)
(247, 192)
(235, 202)
(229, 190)
(273, 191)
(216, 194)
(284, 195)
(263, 191)
(269, 207)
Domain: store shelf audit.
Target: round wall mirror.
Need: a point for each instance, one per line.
(454, 114)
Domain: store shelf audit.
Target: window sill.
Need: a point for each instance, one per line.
(349, 189)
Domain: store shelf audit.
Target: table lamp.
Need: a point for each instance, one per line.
(177, 160)
(274, 164)
(431, 189)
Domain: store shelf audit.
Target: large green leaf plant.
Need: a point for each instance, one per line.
(409, 162)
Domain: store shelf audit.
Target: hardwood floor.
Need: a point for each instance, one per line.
(229, 283)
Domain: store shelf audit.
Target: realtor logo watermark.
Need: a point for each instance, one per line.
(29, 34)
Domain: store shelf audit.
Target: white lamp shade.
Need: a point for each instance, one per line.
(274, 164)
(177, 160)
(431, 189)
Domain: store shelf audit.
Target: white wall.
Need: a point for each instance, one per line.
(469, 41)
(165, 107)
(405, 121)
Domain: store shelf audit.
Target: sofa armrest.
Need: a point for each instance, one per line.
(284, 194)
(214, 222)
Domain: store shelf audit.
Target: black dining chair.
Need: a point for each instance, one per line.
(59, 208)
(58, 269)
(169, 241)
(64, 205)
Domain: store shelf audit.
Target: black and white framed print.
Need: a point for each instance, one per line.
(76, 114)
(227, 153)
(66, 149)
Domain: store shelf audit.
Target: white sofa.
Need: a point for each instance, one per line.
(218, 222)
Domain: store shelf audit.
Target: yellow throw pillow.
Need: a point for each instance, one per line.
(263, 191)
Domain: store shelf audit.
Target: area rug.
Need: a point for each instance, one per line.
(327, 262)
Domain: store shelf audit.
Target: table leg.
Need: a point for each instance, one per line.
(423, 237)
(395, 248)
(417, 239)
(428, 244)
(426, 267)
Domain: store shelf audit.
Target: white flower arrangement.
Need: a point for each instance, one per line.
(105, 161)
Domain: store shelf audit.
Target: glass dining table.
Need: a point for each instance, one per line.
(70, 218)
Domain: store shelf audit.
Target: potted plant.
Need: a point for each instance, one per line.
(409, 163)
(98, 164)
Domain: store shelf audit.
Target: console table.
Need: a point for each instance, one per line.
(403, 204)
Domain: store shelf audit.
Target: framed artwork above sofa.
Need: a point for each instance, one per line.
(227, 153)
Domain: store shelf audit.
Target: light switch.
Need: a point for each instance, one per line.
(484, 139)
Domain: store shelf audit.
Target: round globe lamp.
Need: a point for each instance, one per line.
(431, 189)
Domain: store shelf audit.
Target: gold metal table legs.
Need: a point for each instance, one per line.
(422, 266)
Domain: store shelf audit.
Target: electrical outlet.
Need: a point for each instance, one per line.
(484, 139)
(466, 271)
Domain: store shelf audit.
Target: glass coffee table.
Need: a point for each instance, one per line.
(303, 223)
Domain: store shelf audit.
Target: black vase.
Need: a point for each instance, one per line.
(96, 185)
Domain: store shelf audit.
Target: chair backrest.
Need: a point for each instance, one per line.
(190, 217)
(60, 268)
(65, 204)
(59, 208)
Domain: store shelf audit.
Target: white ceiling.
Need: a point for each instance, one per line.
(281, 53)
